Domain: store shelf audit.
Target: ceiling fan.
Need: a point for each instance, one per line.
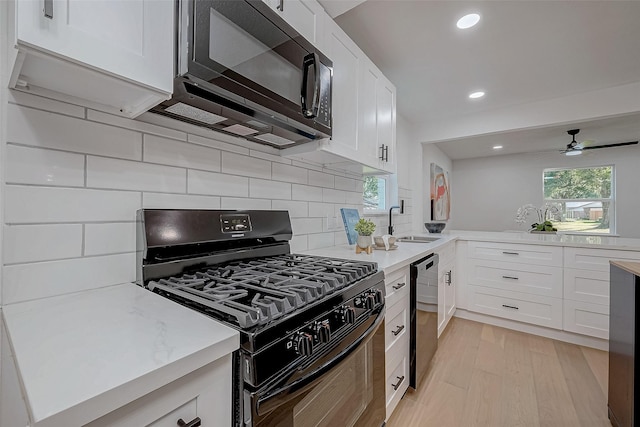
(575, 148)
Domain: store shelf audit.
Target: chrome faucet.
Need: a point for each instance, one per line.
(401, 207)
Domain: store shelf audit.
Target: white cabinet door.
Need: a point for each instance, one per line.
(130, 40)
(305, 16)
(367, 113)
(386, 110)
(346, 65)
(449, 294)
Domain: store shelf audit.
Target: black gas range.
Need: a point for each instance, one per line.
(297, 314)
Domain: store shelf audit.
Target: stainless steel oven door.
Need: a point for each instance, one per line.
(342, 388)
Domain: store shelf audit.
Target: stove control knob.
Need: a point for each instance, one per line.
(379, 296)
(370, 301)
(348, 315)
(323, 331)
(304, 344)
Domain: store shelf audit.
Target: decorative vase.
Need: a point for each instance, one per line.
(364, 243)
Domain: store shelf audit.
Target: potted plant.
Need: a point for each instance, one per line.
(544, 214)
(365, 229)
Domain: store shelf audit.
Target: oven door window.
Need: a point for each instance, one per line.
(242, 47)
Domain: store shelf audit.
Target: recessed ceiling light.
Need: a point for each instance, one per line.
(468, 21)
(497, 147)
(475, 95)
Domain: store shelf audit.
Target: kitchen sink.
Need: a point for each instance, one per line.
(417, 239)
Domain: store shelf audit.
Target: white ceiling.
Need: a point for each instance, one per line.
(521, 52)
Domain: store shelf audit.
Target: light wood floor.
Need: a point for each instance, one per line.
(483, 375)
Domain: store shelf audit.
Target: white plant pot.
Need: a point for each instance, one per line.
(364, 241)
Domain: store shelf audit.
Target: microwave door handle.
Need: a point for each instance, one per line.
(311, 59)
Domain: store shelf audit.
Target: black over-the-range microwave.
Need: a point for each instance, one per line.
(242, 70)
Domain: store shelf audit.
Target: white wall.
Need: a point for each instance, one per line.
(486, 192)
(432, 154)
(75, 178)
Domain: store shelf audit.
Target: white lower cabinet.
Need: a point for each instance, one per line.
(396, 337)
(446, 285)
(204, 393)
(586, 318)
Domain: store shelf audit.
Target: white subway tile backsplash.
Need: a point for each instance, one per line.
(296, 209)
(27, 165)
(179, 201)
(287, 173)
(320, 240)
(103, 239)
(28, 243)
(73, 184)
(333, 196)
(39, 128)
(321, 179)
(27, 204)
(28, 100)
(298, 243)
(217, 184)
(23, 282)
(340, 238)
(175, 153)
(270, 157)
(269, 189)
(136, 125)
(348, 184)
(306, 193)
(197, 139)
(237, 203)
(306, 225)
(236, 164)
(323, 210)
(127, 175)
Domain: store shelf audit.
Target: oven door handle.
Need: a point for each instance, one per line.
(274, 398)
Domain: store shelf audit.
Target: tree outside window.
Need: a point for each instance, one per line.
(585, 197)
(374, 193)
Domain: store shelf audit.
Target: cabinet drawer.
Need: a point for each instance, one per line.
(536, 309)
(396, 324)
(186, 413)
(397, 287)
(596, 259)
(524, 254)
(516, 277)
(396, 383)
(586, 318)
(587, 286)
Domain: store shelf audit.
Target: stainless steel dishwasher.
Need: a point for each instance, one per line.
(423, 340)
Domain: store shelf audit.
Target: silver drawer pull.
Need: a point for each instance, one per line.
(510, 253)
(399, 286)
(397, 331)
(510, 277)
(395, 386)
(510, 306)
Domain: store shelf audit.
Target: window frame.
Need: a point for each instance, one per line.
(391, 194)
(611, 199)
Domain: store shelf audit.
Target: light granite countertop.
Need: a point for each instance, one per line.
(83, 355)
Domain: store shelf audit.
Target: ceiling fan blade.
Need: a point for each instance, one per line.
(619, 144)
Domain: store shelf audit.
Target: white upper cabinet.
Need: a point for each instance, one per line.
(376, 119)
(305, 16)
(345, 55)
(115, 56)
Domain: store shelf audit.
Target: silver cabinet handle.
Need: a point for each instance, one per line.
(397, 331)
(48, 9)
(196, 422)
(280, 6)
(510, 306)
(510, 253)
(399, 286)
(448, 279)
(510, 277)
(395, 386)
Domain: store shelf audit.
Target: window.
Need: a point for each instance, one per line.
(585, 197)
(374, 195)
